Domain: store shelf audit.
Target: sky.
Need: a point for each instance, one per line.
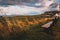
(27, 7)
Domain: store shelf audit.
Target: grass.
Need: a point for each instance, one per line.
(20, 28)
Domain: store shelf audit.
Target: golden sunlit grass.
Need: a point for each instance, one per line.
(14, 26)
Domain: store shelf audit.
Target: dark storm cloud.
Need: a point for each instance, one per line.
(17, 1)
(10, 1)
(28, 1)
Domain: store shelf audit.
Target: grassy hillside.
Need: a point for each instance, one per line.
(56, 30)
(24, 27)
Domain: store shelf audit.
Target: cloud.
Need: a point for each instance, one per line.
(25, 8)
(18, 10)
(58, 1)
(38, 4)
(54, 7)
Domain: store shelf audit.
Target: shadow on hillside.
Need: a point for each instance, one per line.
(15, 33)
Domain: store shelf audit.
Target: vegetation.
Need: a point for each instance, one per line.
(25, 27)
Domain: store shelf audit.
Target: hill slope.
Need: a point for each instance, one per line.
(15, 26)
